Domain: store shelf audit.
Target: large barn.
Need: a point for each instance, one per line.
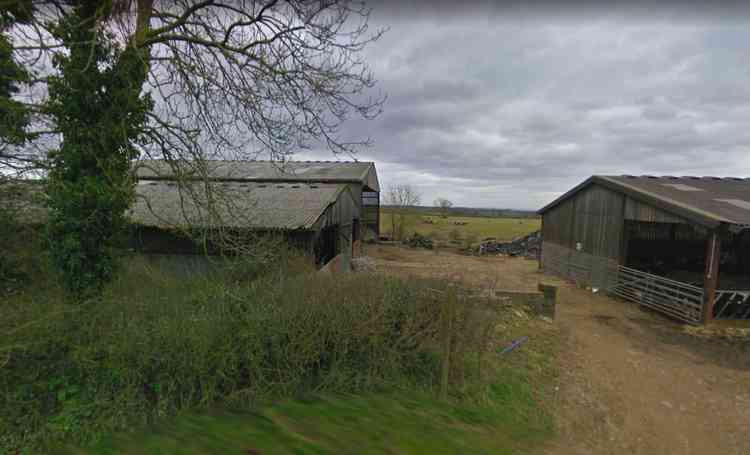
(361, 178)
(680, 245)
(325, 207)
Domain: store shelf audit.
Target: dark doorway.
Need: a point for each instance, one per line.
(356, 236)
(326, 246)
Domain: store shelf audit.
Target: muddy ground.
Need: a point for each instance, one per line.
(631, 381)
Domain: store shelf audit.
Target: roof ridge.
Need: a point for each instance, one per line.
(273, 161)
(704, 177)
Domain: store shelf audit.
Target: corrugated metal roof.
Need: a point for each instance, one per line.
(290, 171)
(704, 200)
(165, 204)
(235, 204)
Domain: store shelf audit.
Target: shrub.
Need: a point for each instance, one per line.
(156, 344)
(21, 253)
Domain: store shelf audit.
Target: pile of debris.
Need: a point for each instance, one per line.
(528, 246)
(727, 333)
(363, 264)
(419, 241)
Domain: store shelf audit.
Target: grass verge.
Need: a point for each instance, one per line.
(509, 416)
(329, 364)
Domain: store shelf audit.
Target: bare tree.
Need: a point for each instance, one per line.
(229, 79)
(401, 198)
(444, 205)
(181, 80)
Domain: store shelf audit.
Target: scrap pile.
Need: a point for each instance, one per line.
(528, 246)
(363, 264)
(419, 241)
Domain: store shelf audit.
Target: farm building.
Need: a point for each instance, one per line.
(324, 208)
(680, 245)
(317, 206)
(320, 219)
(359, 177)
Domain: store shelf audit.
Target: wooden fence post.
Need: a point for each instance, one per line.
(550, 299)
(711, 278)
(447, 336)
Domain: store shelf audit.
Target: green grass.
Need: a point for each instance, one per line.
(475, 229)
(512, 418)
(406, 424)
(172, 364)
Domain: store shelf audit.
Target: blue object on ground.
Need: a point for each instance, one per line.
(514, 345)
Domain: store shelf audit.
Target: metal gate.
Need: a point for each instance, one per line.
(676, 299)
(732, 304)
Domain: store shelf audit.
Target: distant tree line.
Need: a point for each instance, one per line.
(467, 211)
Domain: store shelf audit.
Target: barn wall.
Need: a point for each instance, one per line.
(583, 268)
(583, 236)
(339, 218)
(162, 243)
(638, 211)
(593, 218)
(369, 210)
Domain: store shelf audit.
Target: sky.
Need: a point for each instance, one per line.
(498, 105)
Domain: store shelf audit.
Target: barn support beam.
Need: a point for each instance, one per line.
(711, 277)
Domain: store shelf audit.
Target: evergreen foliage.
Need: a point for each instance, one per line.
(96, 102)
(13, 114)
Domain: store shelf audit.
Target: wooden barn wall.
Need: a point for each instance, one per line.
(593, 218)
(580, 267)
(639, 211)
(341, 215)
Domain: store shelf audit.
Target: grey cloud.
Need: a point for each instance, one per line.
(490, 110)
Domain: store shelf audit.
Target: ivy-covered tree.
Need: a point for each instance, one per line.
(13, 114)
(96, 101)
(182, 80)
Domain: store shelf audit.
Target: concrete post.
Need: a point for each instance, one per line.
(550, 300)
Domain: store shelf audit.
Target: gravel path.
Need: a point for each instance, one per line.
(635, 383)
(631, 382)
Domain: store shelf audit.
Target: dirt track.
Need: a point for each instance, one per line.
(631, 382)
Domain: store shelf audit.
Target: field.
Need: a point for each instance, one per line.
(461, 230)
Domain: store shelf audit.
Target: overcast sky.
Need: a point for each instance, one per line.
(502, 107)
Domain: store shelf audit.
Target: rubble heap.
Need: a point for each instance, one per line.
(528, 246)
(363, 264)
(419, 241)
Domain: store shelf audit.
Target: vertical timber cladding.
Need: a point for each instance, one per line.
(583, 236)
(339, 217)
